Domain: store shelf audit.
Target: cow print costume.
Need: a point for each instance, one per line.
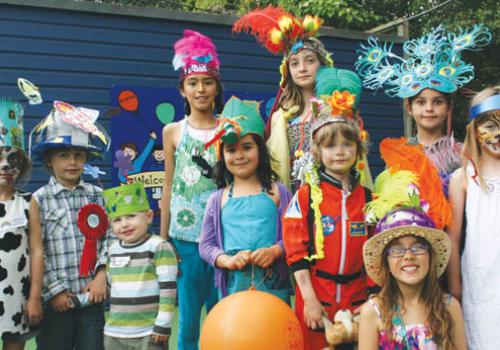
(14, 264)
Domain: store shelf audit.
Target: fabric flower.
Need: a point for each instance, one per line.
(341, 103)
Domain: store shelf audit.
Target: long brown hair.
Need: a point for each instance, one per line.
(472, 148)
(438, 318)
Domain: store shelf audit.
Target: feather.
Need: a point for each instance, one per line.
(195, 48)
(399, 155)
(391, 190)
(260, 23)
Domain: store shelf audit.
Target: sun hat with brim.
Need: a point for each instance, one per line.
(400, 223)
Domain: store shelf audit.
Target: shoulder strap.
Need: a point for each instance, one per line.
(375, 307)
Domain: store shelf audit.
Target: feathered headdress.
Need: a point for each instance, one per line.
(195, 53)
(398, 155)
(433, 61)
(280, 32)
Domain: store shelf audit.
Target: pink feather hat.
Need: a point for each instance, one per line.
(195, 53)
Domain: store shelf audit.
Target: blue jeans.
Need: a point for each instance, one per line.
(79, 329)
(195, 288)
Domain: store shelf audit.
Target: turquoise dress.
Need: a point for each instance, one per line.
(249, 223)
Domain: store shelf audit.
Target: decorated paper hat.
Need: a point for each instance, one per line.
(238, 118)
(282, 33)
(11, 124)
(195, 53)
(339, 92)
(432, 61)
(69, 126)
(125, 199)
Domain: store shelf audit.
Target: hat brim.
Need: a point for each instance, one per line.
(374, 248)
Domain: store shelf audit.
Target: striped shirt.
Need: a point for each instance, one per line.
(143, 288)
(62, 240)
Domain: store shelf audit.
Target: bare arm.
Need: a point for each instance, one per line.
(34, 305)
(313, 310)
(368, 328)
(457, 326)
(170, 132)
(457, 193)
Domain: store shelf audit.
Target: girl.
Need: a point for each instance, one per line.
(405, 257)
(241, 235)
(475, 190)
(187, 186)
(21, 256)
(288, 129)
(323, 227)
(426, 78)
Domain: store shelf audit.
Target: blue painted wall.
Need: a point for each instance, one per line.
(76, 51)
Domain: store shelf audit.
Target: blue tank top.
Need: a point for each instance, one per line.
(249, 223)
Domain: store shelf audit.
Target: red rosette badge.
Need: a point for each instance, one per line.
(93, 223)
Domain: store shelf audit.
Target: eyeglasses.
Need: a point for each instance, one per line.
(416, 249)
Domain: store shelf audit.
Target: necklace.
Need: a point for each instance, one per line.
(198, 128)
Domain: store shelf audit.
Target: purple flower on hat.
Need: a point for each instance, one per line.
(404, 217)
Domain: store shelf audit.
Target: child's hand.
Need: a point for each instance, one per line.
(313, 310)
(62, 301)
(34, 311)
(265, 257)
(238, 261)
(97, 288)
(157, 338)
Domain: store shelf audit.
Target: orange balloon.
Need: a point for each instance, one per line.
(251, 320)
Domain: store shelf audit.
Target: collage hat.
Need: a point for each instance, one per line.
(195, 53)
(408, 200)
(11, 124)
(69, 126)
(432, 61)
(282, 33)
(125, 199)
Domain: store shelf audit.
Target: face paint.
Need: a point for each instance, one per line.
(11, 163)
(488, 134)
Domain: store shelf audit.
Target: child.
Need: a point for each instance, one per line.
(407, 254)
(21, 255)
(323, 244)
(187, 187)
(142, 290)
(137, 160)
(475, 190)
(289, 128)
(241, 235)
(64, 144)
(426, 78)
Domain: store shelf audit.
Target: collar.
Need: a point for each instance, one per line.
(353, 179)
(58, 188)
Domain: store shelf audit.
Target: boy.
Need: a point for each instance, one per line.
(142, 271)
(64, 145)
(323, 227)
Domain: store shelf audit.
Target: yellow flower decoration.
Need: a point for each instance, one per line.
(341, 103)
(275, 35)
(311, 24)
(285, 23)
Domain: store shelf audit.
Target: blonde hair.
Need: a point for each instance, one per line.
(327, 133)
(437, 318)
(472, 148)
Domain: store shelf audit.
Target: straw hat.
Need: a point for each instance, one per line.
(400, 223)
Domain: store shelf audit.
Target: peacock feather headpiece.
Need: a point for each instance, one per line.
(432, 61)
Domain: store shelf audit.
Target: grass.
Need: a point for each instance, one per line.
(31, 345)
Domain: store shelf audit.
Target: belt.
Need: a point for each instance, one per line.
(340, 279)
